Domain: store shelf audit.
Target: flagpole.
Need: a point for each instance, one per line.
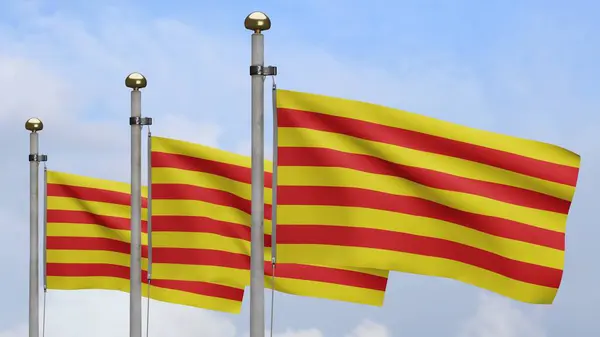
(274, 206)
(274, 179)
(149, 226)
(136, 81)
(257, 22)
(34, 126)
(44, 250)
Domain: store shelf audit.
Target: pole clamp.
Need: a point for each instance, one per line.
(263, 71)
(140, 121)
(38, 158)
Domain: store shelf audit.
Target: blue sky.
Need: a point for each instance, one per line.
(526, 68)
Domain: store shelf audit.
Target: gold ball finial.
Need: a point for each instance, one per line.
(135, 81)
(34, 125)
(257, 22)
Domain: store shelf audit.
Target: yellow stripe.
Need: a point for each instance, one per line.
(89, 282)
(205, 180)
(296, 137)
(91, 257)
(164, 207)
(157, 293)
(91, 231)
(173, 146)
(417, 264)
(98, 208)
(328, 291)
(341, 177)
(376, 272)
(199, 241)
(223, 275)
(209, 210)
(428, 227)
(62, 178)
(195, 300)
(369, 271)
(214, 242)
(410, 121)
(241, 277)
(215, 274)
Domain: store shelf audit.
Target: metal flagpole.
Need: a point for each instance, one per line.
(149, 209)
(44, 251)
(274, 206)
(136, 81)
(257, 22)
(45, 241)
(274, 178)
(149, 228)
(34, 125)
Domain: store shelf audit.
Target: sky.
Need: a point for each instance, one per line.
(525, 68)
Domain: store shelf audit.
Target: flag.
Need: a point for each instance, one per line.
(201, 227)
(88, 244)
(367, 186)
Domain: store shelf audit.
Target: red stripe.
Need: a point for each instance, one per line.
(327, 275)
(428, 143)
(202, 257)
(178, 161)
(207, 257)
(90, 270)
(92, 194)
(186, 224)
(209, 195)
(197, 224)
(86, 218)
(202, 288)
(321, 157)
(355, 197)
(89, 244)
(108, 270)
(414, 244)
(267, 241)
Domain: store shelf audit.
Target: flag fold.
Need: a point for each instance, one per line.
(201, 227)
(367, 186)
(88, 245)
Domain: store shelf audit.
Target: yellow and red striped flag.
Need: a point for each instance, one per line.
(88, 244)
(368, 186)
(201, 227)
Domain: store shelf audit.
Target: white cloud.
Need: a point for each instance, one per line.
(370, 329)
(499, 317)
(105, 313)
(34, 90)
(366, 328)
(300, 333)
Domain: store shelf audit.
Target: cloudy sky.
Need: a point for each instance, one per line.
(526, 68)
